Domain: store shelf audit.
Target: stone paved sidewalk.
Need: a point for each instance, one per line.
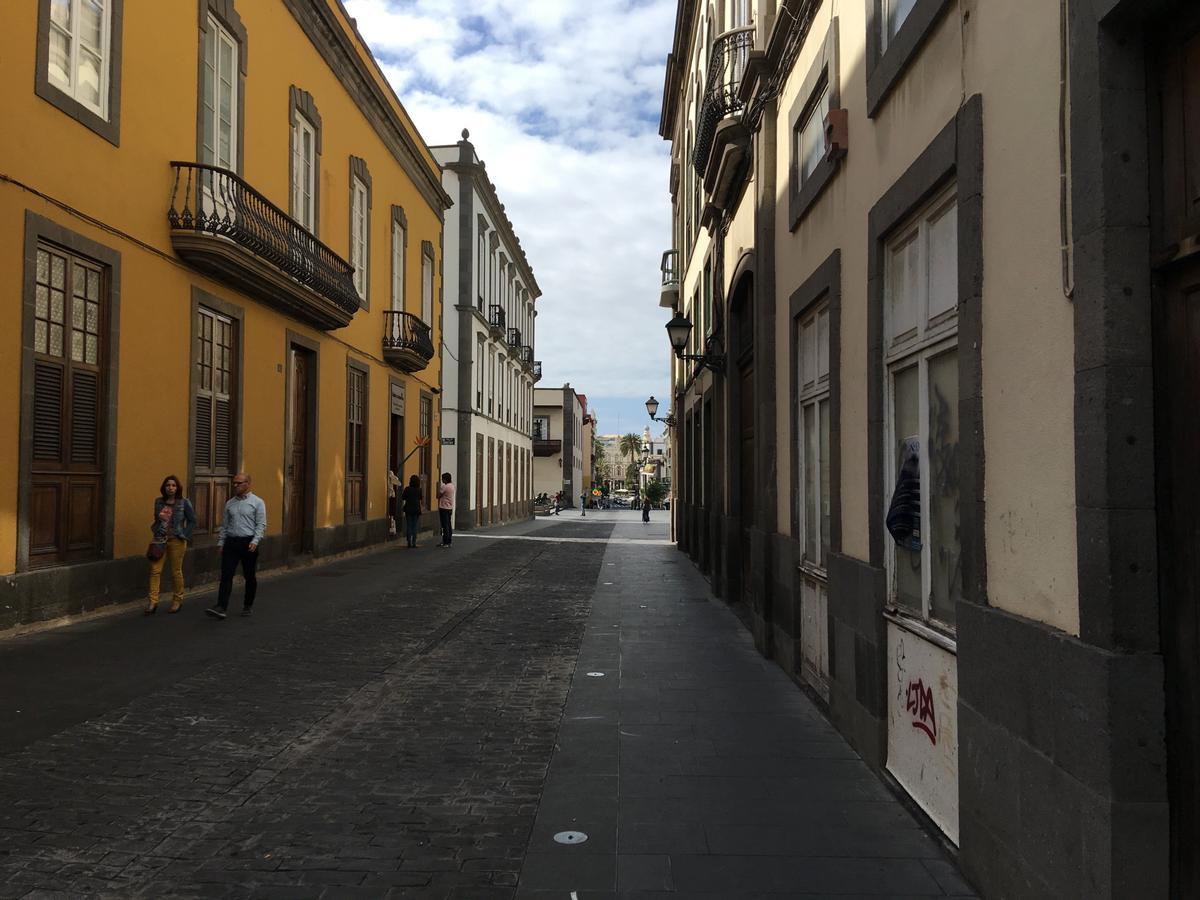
(422, 723)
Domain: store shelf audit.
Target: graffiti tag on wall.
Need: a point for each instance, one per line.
(919, 703)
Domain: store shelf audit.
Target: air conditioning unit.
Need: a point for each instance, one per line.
(837, 126)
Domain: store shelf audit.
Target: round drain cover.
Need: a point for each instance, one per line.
(595, 674)
(570, 837)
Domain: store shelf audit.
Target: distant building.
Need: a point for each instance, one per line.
(488, 334)
(557, 443)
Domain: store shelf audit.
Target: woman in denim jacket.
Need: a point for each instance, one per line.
(174, 520)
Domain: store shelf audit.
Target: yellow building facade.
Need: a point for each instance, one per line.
(220, 243)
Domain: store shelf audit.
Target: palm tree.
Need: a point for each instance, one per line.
(630, 445)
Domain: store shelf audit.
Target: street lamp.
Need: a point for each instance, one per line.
(679, 329)
(652, 411)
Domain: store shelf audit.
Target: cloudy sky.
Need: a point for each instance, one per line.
(562, 99)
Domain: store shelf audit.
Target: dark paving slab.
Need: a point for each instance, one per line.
(730, 783)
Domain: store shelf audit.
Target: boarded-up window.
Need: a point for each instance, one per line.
(214, 456)
(70, 346)
(356, 436)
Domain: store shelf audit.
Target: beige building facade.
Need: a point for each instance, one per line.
(558, 449)
(915, 427)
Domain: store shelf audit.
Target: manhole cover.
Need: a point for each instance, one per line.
(595, 674)
(570, 837)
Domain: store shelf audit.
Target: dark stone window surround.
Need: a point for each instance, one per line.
(358, 169)
(359, 366)
(826, 70)
(201, 298)
(225, 14)
(825, 283)
(110, 128)
(956, 154)
(38, 229)
(885, 67)
(301, 101)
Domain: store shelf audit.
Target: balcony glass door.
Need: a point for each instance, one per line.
(218, 117)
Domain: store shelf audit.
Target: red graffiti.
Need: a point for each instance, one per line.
(919, 700)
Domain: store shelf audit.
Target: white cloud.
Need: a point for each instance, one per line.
(561, 98)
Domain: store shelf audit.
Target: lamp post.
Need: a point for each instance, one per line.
(652, 411)
(679, 329)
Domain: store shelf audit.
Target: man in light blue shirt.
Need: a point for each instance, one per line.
(243, 523)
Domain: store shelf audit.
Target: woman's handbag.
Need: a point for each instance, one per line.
(155, 551)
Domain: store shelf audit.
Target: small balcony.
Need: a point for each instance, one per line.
(223, 227)
(496, 320)
(407, 342)
(546, 447)
(537, 370)
(719, 130)
(514, 340)
(526, 357)
(669, 297)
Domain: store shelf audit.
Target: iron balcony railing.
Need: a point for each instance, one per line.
(726, 66)
(669, 295)
(514, 338)
(527, 356)
(496, 316)
(226, 206)
(404, 332)
(537, 370)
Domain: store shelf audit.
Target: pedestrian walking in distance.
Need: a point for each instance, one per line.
(446, 508)
(411, 500)
(174, 520)
(243, 524)
(583, 504)
(557, 502)
(646, 511)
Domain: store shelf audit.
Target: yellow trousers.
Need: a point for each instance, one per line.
(176, 548)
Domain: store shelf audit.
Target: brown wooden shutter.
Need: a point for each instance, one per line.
(47, 412)
(214, 455)
(202, 455)
(85, 417)
(222, 434)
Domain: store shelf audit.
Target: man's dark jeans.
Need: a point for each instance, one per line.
(447, 530)
(237, 551)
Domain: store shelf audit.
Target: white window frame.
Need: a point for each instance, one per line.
(71, 86)
(887, 31)
(917, 345)
(399, 240)
(304, 171)
(812, 392)
(359, 224)
(427, 289)
(810, 133)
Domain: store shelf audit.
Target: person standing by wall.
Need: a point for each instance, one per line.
(646, 511)
(446, 508)
(174, 520)
(243, 524)
(411, 500)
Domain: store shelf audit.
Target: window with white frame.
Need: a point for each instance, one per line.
(399, 241)
(810, 135)
(479, 361)
(427, 288)
(541, 428)
(481, 266)
(304, 170)
(921, 326)
(812, 417)
(491, 378)
(78, 61)
(358, 235)
(894, 14)
(706, 325)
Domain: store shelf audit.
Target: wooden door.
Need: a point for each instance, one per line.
(746, 484)
(69, 400)
(300, 417)
(396, 461)
(1177, 429)
(478, 479)
(491, 474)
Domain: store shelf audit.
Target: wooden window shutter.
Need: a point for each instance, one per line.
(202, 458)
(85, 417)
(47, 412)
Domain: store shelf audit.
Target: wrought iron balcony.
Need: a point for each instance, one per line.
(527, 356)
(669, 297)
(496, 319)
(726, 67)
(514, 339)
(225, 228)
(407, 342)
(537, 370)
(542, 447)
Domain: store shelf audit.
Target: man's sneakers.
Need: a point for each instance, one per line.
(216, 612)
(247, 611)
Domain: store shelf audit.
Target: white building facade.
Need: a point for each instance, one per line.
(558, 443)
(488, 340)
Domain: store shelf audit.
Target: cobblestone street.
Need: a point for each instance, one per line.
(422, 723)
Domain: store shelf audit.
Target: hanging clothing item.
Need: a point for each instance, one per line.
(904, 513)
